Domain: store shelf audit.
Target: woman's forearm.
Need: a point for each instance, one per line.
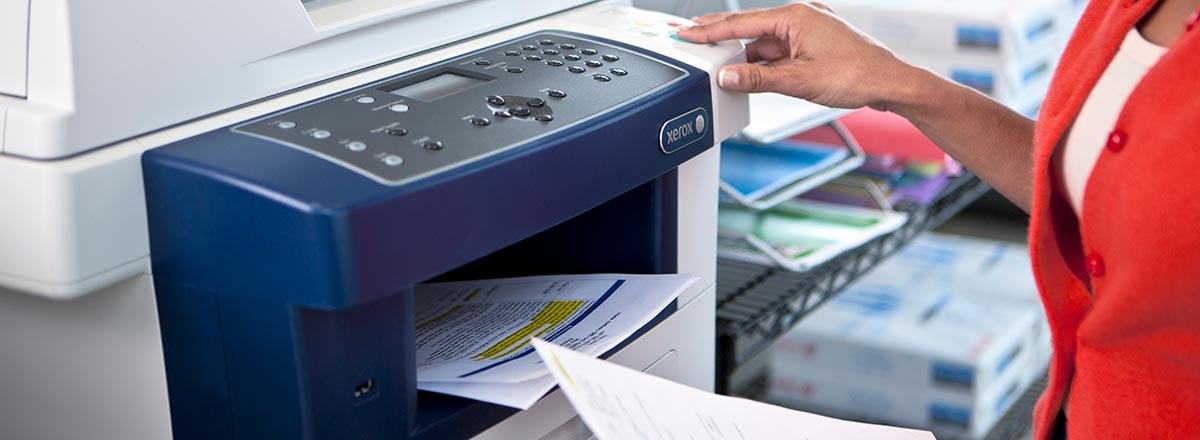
(991, 140)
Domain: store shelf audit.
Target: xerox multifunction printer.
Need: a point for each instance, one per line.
(285, 246)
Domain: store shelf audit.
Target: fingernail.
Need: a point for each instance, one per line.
(727, 78)
(683, 28)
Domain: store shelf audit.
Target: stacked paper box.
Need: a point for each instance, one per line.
(944, 336)
(1007, 49)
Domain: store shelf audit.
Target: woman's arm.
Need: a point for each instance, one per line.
(804, 50)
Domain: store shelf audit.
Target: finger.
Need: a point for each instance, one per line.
(751, 24)
(766, 49)
(750, 78)
(709, 18)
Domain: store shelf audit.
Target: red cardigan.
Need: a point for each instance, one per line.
(1130, 350)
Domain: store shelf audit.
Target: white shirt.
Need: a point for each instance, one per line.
(1075, 159)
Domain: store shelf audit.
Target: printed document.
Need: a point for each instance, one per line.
(472, 337)
(618, 403)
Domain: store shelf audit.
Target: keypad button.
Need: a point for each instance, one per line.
(533, 57)
(396, 131)
(544, 118)
(495, 100)
(567, 46)
(572, 57)
(399, 108)
(602, 78)
(432, 145)
(546, 42)
(610, 57)
(322, 134)
(481, 122)
(286, 125)
(529, 47)
(576, 69)
(483, 63)
(536, 102)
(557, 94)
(554, 63)
(511, 53)
(502, 114)
(593, 63)
(364, 100)
(550, 52)
(393, 160)
(618, 72)
(356, 146)
(514, 69)
(588, 51)
(520, 111)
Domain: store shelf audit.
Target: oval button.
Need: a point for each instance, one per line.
(1117, 140)
(1095, 265)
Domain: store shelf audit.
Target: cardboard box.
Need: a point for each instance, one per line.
(1009, 28)
(940, 336)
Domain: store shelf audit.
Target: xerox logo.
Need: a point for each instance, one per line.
(683, 130)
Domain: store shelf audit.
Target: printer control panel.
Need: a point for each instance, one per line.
(470, 107)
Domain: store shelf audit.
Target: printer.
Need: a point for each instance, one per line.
(214, 212)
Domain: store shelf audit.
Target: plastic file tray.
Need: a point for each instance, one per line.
(757, 303)
(789, 186)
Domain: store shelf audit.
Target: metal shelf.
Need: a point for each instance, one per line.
(756, 303)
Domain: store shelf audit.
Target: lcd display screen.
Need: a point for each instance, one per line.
(438, 87)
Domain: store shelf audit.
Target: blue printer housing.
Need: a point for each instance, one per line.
(284, 276)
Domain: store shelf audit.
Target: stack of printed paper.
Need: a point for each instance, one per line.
(473, 336)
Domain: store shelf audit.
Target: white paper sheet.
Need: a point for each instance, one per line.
(619, 403)
(473, 336)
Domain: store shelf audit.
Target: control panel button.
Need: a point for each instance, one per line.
(557, 94)
(502, 114)
(576, 69)
(609, 57)
(322, 134)
(529, 47)
(398, 108)
(544, 118)
(618, 72)
(536, 102)
(602, 78)
(514, 69)
(286, 125)
(365, 100)
(511, 53)
(356, 146)
(546, 42)
(483, 63)
(520, 111)
(533, 57)
(481, 122)
(396, 131)
(495, 100)
(593, 63)
(550, 52)
(555, 63)
(572, 57)
(393, 160)
(567, 46)
(588, 51)
(432, 145)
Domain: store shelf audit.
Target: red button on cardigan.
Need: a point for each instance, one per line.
(1116, 140)
(1095, 265)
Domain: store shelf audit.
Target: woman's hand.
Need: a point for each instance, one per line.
(806, 51)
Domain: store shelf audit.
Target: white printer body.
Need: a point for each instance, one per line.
(86, 87)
